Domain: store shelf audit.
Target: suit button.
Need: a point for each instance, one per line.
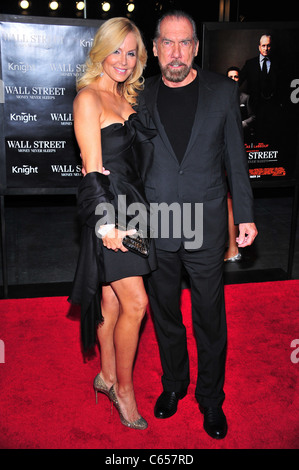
(181, 172)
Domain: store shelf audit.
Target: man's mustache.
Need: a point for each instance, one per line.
(176, 63)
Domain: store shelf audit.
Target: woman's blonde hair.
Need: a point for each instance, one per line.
(107, 40)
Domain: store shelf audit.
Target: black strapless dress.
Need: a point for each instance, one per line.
(123, 145)
(120, 153)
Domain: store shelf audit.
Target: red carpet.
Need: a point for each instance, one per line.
(47, 400)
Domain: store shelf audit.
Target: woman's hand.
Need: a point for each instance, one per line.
(113, 239)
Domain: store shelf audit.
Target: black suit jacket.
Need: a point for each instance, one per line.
(251, 74)
(216, 147)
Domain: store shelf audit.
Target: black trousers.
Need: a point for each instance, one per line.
(205, 270)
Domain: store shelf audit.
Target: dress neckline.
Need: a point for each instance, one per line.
(122, 124)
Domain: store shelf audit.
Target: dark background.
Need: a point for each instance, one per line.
(147, 11)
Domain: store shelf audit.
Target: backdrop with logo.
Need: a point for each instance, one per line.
(272, 117)
(269, 105)
(40, 60)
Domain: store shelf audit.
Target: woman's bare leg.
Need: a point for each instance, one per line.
(110, 312)
(133, 302)
(233, 232)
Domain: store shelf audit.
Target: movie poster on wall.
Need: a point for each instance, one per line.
(40, 63)
(269, 90)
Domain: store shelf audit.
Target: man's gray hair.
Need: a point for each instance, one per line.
(178, 14)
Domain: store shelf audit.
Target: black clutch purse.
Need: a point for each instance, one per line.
(136, 243)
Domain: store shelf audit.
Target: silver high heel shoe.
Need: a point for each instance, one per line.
(100, 386)
(138, 424)
(233, 259)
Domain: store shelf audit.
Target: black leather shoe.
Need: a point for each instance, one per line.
(214, 422)
(167, 404)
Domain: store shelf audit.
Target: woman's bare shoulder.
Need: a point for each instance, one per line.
(87, 97)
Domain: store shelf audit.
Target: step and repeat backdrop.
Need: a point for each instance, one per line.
(40, 60)
(269, 98)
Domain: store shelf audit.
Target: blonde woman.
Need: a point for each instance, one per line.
(109, 278)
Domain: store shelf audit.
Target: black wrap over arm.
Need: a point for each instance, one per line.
(86, 291)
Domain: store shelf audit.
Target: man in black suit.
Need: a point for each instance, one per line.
(197, 116)
(247, 114)
(261, 76)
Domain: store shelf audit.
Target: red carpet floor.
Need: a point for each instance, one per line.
(47, 400)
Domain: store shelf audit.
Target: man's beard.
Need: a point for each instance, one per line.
(173, 75)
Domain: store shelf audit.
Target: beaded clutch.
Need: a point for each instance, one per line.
(136, 243)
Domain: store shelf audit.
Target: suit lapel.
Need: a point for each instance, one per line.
(151, 97)
(204, 92)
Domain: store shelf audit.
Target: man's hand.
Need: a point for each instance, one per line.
(105, 172)
(247, 234)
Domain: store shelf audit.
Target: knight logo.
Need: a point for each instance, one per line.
(86, 42)
(65, 119)
(23, 117)
(24, 170)
(20, 67)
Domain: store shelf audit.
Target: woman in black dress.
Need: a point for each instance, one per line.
(108, 282)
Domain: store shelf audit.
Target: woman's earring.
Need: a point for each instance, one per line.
(101, 74)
